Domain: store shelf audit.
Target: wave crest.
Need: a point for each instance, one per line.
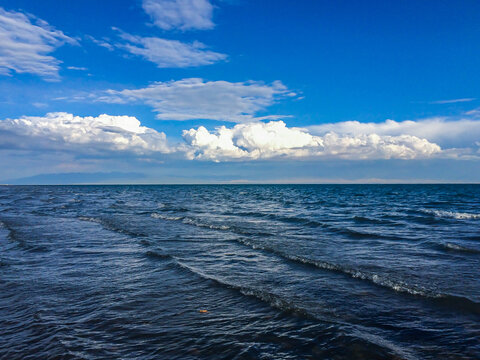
(452, 214)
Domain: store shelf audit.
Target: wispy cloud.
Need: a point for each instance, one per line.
(104, 42)
(452, 101)
(78, 68)
(169, 53)
(180, 14)
(194, 98)
(25, 43)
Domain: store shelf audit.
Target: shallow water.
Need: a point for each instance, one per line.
(284, 272)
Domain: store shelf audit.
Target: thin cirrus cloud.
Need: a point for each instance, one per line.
(452, 101)
(167, 53)
(26, 43)
(77, 68)
(194, 98)
(180, 14)
(65, 132)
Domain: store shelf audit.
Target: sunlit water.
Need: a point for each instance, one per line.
(283, 272)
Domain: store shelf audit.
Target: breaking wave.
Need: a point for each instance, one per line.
(201, 224)
(452, 214)
(398, 286)
(112, 226)
(459, 248)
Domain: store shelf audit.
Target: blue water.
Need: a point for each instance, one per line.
(283, 272)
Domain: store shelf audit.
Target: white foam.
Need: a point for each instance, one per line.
(166, 217)
(208, 226)
(457, 247)
(452, 214)
(190, 221)
(85, 218)
(354, 273)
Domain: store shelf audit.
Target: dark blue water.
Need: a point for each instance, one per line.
(283, 272)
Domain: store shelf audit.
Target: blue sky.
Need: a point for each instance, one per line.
(239, 91)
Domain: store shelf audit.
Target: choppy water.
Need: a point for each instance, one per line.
(285, 272)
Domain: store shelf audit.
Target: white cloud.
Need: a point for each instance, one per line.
(198, 99)
(180, 14)
(447, 132)
(24, 46)
(274, 139)
(78, 68)
(104, 42)
(452, 101)
(106, 135)
(90, 135)
(170, 53)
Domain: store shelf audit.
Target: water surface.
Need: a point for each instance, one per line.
(283, 272)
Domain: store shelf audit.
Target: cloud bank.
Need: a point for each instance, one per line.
(180, 14)
(84, 135)
(275, 139)
(107, 135)
(448, 132)
(24, 46)
(194, 98)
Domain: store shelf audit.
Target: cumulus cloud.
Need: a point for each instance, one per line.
(198, 99)
(275, 139)
(180, 14)
(90, 135)
(107, 135)
(447, 132)
(24, 46)
(170, 53)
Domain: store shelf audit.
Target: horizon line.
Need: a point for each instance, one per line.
(249, 183)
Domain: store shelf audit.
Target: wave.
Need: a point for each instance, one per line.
(397, 286)
(166, 217)
(355, 234)
(456, 247)
(282, 218)
(286, 306)
(145, 242)
(14, 236)
(451, 214)
(190, 221)
(368, 220)
(351, 233)
(157, 255)
(171, 208)
(195, 222)
(354, 273)
(271, 299)
(90, 219)
(112, 226)
(459, 303)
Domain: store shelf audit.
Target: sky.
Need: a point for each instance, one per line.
(239, 91)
